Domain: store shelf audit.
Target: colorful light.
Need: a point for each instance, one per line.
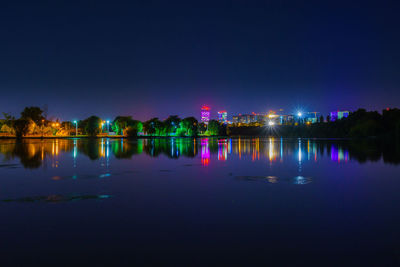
(205, 114)
(223, 116)
(205, 152)
(338, 115)
(76, 128)
(222, 150)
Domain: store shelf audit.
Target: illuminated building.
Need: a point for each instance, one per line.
(311, 117)
(275, 118)
(235, 119)
(307, 117)
(205, 114)
(223, 116)
(285, 119)
(338, 115)
(244, 119)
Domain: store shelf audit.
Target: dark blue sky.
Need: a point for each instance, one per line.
(155, 58)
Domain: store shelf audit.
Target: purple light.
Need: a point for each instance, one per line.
(205, 152)
(205, 114)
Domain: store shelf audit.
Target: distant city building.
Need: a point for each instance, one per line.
(280, 119)
(249, 119)
(223, 116)
(311, 117)
(338, 115)
(205, 114)
(235, 119)
(275, 118)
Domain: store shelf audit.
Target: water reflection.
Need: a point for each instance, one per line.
(56, 198)
(205, 152)
(299, 180)
(36, 153)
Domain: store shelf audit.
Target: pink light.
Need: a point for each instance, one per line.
(205, 152)
(205, 114)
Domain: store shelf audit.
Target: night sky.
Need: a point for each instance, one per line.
(155, 58)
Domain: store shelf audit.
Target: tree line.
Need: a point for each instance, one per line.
(33, 123)
(358, 124)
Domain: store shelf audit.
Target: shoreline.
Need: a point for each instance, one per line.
(181, 137)
(110, 136)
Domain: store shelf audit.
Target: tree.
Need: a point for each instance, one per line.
(321, 119)
(202, 128)
(134, 129)
(7, 129)
(121, 123)
(8, 119)
(213, 127)
(92, 126)
(33, 113)
(328, 118)
(153, 127)
(188, 127)
(67, 125)
(365, 129)
(171, 124)
(391, 119)
(21, 127)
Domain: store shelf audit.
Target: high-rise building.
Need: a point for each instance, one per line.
(258, 119)
(205, 114)
(338, 115)
(311, 117)
(223, 116)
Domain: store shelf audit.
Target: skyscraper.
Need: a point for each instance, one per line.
(205, 114)
(338, 115)
(223, 116)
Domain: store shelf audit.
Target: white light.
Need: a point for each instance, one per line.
(299, 114)
(271, 123)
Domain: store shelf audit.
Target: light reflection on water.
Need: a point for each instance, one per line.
(33, 152)
(179, 196)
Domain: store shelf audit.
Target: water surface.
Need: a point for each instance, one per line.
(200, 201)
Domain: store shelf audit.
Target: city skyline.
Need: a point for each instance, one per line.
(204, 114)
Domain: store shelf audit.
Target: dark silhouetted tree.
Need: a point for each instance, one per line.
(171, 124)
(153, 127)
(92, 127)
(121, 123)
(33, 113)
(21, 127)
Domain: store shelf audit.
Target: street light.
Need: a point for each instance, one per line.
(299, 114)
(271, 123)
(76, 128)
(108, 126)
(101, 125)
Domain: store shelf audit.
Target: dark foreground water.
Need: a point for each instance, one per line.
(187, 202)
